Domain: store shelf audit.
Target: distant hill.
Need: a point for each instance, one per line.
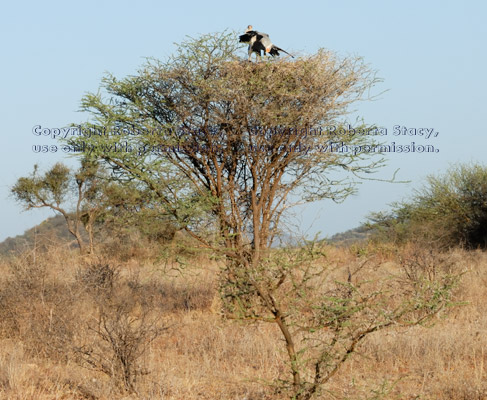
(54, 231)
(352, 236)
(50, 231)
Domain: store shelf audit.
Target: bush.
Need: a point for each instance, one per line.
(120, 327)
(119, 338)
(324, 313)
(451, 210)
(98, 276)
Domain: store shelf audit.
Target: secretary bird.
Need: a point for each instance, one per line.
(258, 42)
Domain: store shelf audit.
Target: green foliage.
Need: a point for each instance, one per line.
(451, 210)
(38, 191)
(59, 188)
(78, 196)
(324, 312)
(129, 208)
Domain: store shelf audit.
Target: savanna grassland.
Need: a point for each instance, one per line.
(98, 327)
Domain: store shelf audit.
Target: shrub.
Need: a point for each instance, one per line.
(116, 335)
(451, 210)
(324, 313)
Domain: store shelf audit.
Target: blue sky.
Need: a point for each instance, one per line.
(431, 55)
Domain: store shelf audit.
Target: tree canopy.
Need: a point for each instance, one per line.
(228, 144)
(449, 210)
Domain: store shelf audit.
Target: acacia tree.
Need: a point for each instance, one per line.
(79, 196)
(325, 309)
(235, 140)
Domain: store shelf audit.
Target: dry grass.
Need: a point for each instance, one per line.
(46, 307)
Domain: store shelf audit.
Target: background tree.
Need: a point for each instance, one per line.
(62, 190)
(450, 210)
(131, 208)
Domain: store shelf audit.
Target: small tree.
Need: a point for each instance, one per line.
(451, 209)
(325, 312)
(58, 189)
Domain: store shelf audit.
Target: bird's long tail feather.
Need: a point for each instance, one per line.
(284, 51)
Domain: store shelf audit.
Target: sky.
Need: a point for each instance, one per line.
(430, 55)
